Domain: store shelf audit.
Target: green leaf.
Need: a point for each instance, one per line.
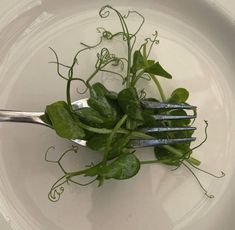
(99, 90)
(106, 108)
(102, 105)
(124, 167)
(98, 142)
(119, 146)
(179, 95)
(180, 122)
(157, 69)
(138, 62)
(63, 121)
(90, 117)
(166, 157)
(111, 95)
(150, 62)
(130, 104)
(149, 121)
(119, 143)
(93, 171)
(132, 124)
(149, 66)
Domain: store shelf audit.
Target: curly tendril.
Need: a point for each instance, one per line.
(143, 94)
(151, 42)
(187, 154)
(114, 73)
(204, 171)
(130, 38)
(107, 34)
(57, 188)
(146, 77)
(199, 182)
(104, 12)
(186, 157)
(105, 57)
(142, 20)
(58, 64)
(72, 149)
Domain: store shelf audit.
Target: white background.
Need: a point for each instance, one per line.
(228, 6)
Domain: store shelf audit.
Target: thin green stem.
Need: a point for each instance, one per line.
(112, 72)
(135, 80)
(157, 83)
(77, 173)
(135, 134)
(91, 77)
(153, 77)
(194, 161)
(141, 24)
(109, 142)
(179, 154)
(68, 96)
(155, 80)
(128, 82)
(204, 171)
(82, 184)
(149, 162)
(154, 41)
(199, 182)
(126, 35)
(110, 138)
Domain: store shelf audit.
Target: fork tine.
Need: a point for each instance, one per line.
(160, 105)
(150, 143)
(172, 117)
(166, 129)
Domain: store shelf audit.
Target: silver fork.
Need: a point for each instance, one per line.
(35, 118)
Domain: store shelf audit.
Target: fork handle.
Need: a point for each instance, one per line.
(24, 117)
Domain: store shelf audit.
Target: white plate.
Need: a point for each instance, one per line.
(196, 46)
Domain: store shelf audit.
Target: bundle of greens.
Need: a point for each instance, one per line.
(113, 118)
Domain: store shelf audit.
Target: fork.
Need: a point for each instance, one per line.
(35, 118)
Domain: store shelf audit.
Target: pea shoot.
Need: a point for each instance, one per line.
(113, 118)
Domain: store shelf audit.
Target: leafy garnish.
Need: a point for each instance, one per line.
(130, 103)
(179, 95)
(63, 121)
(114, 118)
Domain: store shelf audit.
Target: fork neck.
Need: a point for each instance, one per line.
(21, 117)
